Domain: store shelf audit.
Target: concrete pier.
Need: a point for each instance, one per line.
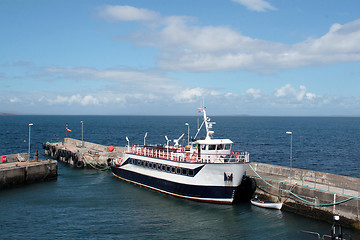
(83, 154)
(313, 194)
(17, 170)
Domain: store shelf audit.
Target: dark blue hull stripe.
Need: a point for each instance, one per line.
(220, 194)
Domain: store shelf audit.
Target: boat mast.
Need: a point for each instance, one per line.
(208, 125)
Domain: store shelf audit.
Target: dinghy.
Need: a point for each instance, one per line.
(266, 204)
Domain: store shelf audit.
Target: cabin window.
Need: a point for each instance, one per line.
(163, 167)
(173, 169)
(146, 164)
(212, 147)
(184, 171)
(203, 147)
(191, 172)
(178, 170)
(220, 147)
(168, 168)
(227, 146)
(158, 166)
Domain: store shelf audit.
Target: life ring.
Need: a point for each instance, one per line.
(119, 161)
(187, 157)
(193, 157)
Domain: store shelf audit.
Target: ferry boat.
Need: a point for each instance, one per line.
(205, 170)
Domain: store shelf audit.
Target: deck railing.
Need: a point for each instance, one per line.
(182, 155)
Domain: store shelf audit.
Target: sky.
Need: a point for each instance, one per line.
(161, 57)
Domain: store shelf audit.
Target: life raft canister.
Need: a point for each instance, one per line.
(3, 159)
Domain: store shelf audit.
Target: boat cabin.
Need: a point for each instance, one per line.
(211, 149)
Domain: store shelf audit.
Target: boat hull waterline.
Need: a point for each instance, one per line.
(210, 182)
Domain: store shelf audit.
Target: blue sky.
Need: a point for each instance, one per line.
(160, 57)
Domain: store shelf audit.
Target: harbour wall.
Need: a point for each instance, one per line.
(310, 193)
(14, 172)
(82, 154)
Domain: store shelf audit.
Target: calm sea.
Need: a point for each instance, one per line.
(87, 204)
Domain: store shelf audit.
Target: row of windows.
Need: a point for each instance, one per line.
(213, 147)
(163, 167)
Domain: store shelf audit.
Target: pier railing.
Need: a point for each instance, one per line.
(181, 155)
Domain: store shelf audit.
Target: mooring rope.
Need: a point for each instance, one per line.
(302, 199)
(97, 166)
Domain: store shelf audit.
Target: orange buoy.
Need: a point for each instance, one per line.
(111, 148)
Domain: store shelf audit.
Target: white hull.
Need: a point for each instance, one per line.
(271, 205)
(207, 182)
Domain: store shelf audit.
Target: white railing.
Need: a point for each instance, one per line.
(180, 155)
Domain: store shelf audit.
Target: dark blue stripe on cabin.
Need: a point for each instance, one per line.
(135, 162)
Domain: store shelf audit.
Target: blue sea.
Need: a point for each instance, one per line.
(89, 204)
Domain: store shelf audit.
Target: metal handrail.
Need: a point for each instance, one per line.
(186, 156)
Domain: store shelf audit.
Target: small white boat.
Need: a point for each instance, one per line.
(266, 204)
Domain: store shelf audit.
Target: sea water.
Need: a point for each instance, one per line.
(90, 204)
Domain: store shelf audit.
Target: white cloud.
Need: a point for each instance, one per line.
(254, 93)
(126, 13)
(256, 5)
(189, 95)
(75, 99)
(15, 100)
(130, 77)
(184, 46)
(290, 93)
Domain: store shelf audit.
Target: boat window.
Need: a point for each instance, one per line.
(184, 171)
(163, 167)
(191, 172)
(203, 147)
(227, 146)
(158, 166)
(150, 165)
(146, 164)
(168, 168)
(178, 170)
(220, 147)
(212, 147)
(173, 169)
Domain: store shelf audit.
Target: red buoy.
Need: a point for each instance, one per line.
(111, 148)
